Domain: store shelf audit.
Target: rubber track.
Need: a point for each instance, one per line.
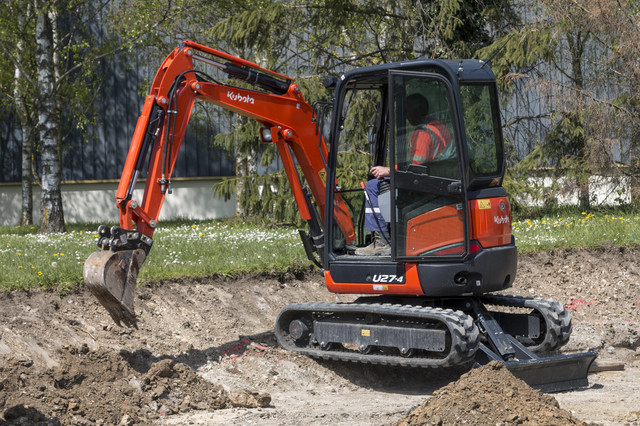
(556, 317)
(463, 331)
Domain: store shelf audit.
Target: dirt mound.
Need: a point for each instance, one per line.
(489, 395)
(109, 387)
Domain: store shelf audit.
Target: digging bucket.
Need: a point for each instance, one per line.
(112, 278)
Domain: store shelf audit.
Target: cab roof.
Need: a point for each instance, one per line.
(464, 70)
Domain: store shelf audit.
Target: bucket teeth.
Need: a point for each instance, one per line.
(112, 278)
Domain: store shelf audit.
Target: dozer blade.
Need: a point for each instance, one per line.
(111, 277)
(555, 373)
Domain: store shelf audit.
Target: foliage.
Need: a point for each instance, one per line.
(78, 36)
(310, 38)
(575, 61)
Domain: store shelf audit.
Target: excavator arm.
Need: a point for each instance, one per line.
(287, 121)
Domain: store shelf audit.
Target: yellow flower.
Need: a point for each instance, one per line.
(39, 273)
(61, 254)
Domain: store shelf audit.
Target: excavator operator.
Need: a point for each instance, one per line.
(429, 141)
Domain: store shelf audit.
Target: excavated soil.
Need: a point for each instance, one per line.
(513, 402)
(205, 353)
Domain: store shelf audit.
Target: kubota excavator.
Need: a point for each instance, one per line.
(431, 302)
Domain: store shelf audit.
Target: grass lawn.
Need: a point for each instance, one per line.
(588, 230)
(229, 247)
(29, 259)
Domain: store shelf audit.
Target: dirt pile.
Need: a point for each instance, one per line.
(109, 387)
(489, 395)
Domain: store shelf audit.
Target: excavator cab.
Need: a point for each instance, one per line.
(443, 210)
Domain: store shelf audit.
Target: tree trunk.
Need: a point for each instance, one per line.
(576, 50)
(52, 216)
(246, 165)
(27, 127)
(27, 161)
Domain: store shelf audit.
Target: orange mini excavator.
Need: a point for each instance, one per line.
(430, 301)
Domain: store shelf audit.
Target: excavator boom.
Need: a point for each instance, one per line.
(287, 120)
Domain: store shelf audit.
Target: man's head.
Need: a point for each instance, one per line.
(417, 109)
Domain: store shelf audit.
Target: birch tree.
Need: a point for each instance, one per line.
(51, 211)
(16, 30)
(27, 124)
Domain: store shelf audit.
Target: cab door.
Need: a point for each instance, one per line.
(429, 218)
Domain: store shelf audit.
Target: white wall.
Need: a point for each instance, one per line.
(603, 191)
(95, 202)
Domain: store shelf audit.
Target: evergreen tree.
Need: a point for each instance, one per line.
(314, 38)
(575, 59)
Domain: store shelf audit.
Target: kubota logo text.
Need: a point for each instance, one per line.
(500, 220)
(239, 98)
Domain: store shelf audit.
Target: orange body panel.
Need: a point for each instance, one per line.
(490, 226)
(438, 228)
(490, 221)
(379, 284)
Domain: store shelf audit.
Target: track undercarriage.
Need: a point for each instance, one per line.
(424, 332)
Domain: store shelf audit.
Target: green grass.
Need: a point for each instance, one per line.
(586, 230)
(229, 247)
(29, 259)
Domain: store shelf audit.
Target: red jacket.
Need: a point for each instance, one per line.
(429, 141)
